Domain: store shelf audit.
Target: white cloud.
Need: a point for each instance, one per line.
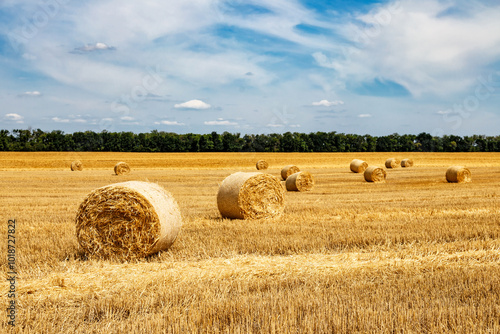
(169, 123)
(220, 121)
(34, 93)
(94, 47)
(14, 118)
(364, 115)
(60, 120)
(272, 125)
(326, 103)
(127, 118)
(80, 120)
(193, 104)
(443, 112)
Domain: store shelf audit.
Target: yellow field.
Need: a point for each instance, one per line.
(415, 254)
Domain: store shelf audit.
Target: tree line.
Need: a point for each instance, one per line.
(159, 141)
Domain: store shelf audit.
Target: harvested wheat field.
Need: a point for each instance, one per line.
(415, 254)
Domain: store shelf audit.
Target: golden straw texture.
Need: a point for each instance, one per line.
(127, 220)
(76, 165)
(375, 174)
(251, 196)
(122, 168)
(392, 163)
(261, 164)
(458, 174)
(300, 181)
(406, 163)
(289, 170)
(358, 166)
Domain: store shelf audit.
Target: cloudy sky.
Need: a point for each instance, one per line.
(255, 66)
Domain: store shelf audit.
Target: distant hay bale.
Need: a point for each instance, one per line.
(251, 196)
(289, 170)
(76, 165)
(375, 174)
(406, 163)
(127, 220)
(458, 174)
(358, 166)
(262, 164)
(392, 163)
(122, 168)
(300, 181)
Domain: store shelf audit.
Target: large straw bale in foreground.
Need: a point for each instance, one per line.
(300, 181)
(406, 163)
(392, 163)
(76, 165)
(261, 164)
(375, 174)
(458, 174)
(358, 166)
(289, 170)
(127, 220)
(250, 196)
(122, 168)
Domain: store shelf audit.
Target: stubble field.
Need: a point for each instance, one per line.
(413, 255)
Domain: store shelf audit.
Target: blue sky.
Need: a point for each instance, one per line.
(365, 67)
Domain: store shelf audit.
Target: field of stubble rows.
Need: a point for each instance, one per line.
(413, 255)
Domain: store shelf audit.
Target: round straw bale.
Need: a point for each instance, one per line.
(127, 220)
(406, 163)
(251, 196)
(375, 174)
(262, 164)
(122, 168)
(458, 174)
(300, 181)
(289, 170)
(358, 166)
(76, 165)
(392, 163)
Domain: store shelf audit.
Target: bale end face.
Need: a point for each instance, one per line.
(300, 181)
(358, 166)
(76, 165)
(122, 168)
(250, 196)
(261, 165)
(458, 174)
(289, 170)
(127, 220)
(375, 174)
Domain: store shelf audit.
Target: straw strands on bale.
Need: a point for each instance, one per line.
(122, 168)
(251, 196)
(127, 220)
(76, 165)
(358, 166)
(375, 174)
(262, 164)
(392, 163)
(300, 181)
(458, 174)
(289, 170)
(406, 163)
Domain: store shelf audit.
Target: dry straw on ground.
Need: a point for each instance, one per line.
(358, 166)
(300, 181)
(458, 174)
(122, 168)
(392, 163)
(289, 170)
(261, 164)
(76, 165)
(127, 220)
(375, 174)
(406, 163)
(250, 196)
